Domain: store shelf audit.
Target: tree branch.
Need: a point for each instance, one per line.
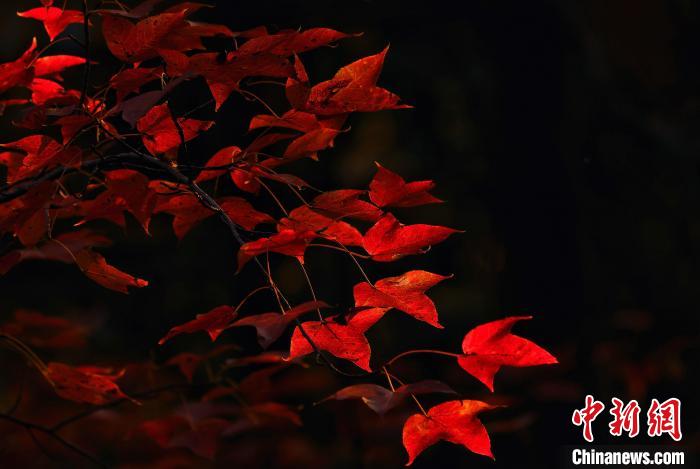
(29, 426)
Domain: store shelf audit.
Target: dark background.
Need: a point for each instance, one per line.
(563, 136)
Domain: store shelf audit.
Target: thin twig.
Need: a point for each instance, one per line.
(51, 434)
(86, 70)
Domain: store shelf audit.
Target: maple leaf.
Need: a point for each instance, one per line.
(346, 203)
(135, 43)
(133, 188)
(30, 155)
(189, 211)
(214, 322)
(292, 119)
(48, 92)
(224, 77)
(306, 219)
(270, 326)
(490, 346)
(405, 293)
(58, 249)
(297, 88)
(287, 242)
(162, 134)
(311, 143)
(54, 65)
(353, 89)
(224, 157)
(132, 79)
(389, 240)
(55, 19)
(346, 341)
(453, 421)
(95, 267)
(389, 189)
(291, 42)
(86, 384)
(382, 400)
(18, 72)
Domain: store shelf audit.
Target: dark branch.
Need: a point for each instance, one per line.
(29, 426)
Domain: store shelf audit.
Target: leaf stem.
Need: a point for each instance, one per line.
(413, 352)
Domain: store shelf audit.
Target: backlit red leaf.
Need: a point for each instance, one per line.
(405, 293)
(189, 211)
(55, 19)
(132, 79)
(161, 133)
(17, 72)
(55, 64)
(131, 42)
(453, 421)
(224, 157)
(346, 203)
(84, 385)
(389, 240)
(96, 268)
(213, 322)
(287, 242)
(306, 219)
(346, 341)
(389, 189)
(353, 89)
(490, 346)
(291, 42)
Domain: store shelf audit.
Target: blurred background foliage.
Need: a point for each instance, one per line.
(564, 137)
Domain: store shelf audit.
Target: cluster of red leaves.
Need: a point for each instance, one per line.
(119, 150)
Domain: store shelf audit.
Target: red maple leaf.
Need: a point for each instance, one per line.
(353, 89)
(95, 267)
(389, 189)
(306, 219)
(189, 211)
(84, 384)
(287, 242)
(405, 293)
(54, 65)
(55, 19)
(345, 341)
(17, 72)
(30, 155)
(130, 80)
(453, 421)
(389, 240)
(163, 134)
(60, 248)
(346, 203)
(135, 43)
(214, 322)
(490, 346)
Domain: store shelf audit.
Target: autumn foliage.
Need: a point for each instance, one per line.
(118, 151)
